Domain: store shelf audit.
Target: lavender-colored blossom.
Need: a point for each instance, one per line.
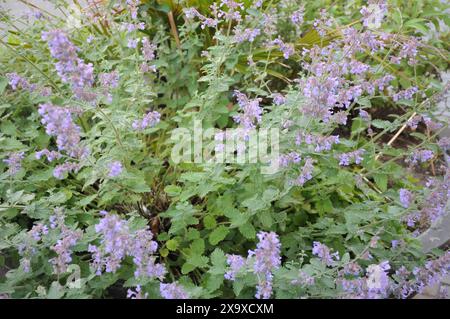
(409, 50)
(252, 112)
(292, 157)
(286, 48)
(415, 281)
(320, 143)
(364, 115)
(405, 197)
(232, 13)
(267, 258)
(414, 122)
(14, 162)
(130, 27)
(431, 125)
(394, 243)
(117, 242)
(297, 16)
(324, 253)
(68, 167)
(37, 231)
(148, 49)
(444, 143)
(405, 94)
(132, 43)
(264, 287)
(306, 172)
(141, 250)
(115, 168)
(70, 67)
(303, 279)
(145, 67)
(27, 248)
(236, 263)
(133, 7)
(172, 291)
(58, 122)
(374, 13)
(63, 251)
(149, 120)
(110, 79)
(420, 156)
(346, 159)
(352, 268)
(136, 294)
(50, 155)
(279, 99)
(245, 35)
(18, 82)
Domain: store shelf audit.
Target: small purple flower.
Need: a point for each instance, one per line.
(148, 49)
(132, 43)
(60, 170)
(50, 155)
(405, 94)
(149, 120)
(109, 79)
(267, 258)
(118, 242)
(420, 156)
(236, 263)
(297, 16)
(324, 253)
(136, 294)
(345, 159)
(172, 291)
(14, 162)
(70, 67)
(252, 112)
(115, 168)
(16, 82)
(374, 13)
(245, 35)
(58, 122)
(378, 280)
(405, 197)
(37, 231)
(63, 251)
(286, 48)
(292, 157)
(306, 172)
(279, 99)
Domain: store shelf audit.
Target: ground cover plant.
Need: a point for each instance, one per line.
(108, 191)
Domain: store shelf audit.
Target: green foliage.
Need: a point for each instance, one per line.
(201, 212)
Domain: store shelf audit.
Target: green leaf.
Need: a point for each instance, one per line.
(381, 124)
(87, 200)
(209, 222)
(218, 234)
(172, 244)
(248, 231)
(3, 84)
(172, 190)
(381, 180)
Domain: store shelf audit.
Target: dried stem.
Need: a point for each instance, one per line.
(173, 28)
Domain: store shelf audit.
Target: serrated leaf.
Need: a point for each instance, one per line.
(218, 234)
(172, 244)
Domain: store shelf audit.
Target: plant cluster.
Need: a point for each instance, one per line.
(94, 206)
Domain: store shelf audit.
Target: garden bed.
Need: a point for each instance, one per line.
(202, 149)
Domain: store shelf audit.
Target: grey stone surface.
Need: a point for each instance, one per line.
(437, 235)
